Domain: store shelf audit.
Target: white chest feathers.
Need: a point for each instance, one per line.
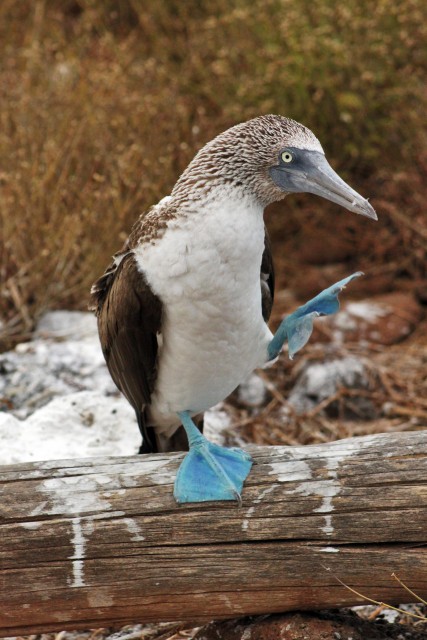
(206, 271)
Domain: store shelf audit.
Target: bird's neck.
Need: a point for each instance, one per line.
(226, 223)
(210, 195)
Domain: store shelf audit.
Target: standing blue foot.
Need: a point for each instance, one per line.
(208, 471)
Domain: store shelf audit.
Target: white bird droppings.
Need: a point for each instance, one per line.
(79, 544)
(328, 528)
(133, 529)
(291, 470)
(72, 495)
(329, 550)
(31, 525)
(325, 488)
(245, 523)
(250, 511)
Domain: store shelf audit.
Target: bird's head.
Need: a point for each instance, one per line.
(272, 156)
(300, 166)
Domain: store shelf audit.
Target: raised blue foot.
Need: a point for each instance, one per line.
(208, 471)
(296, 329)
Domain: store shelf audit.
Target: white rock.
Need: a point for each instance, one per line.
(39, 370)
(319, 381)
(65, 403)
(78, 425)
(252, 391)
(368, 311)
(215, 424)
(67, 324)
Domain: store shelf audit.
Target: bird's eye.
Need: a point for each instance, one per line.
(287, 157)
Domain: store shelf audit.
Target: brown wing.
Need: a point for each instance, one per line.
(129, 320)
(267, 279)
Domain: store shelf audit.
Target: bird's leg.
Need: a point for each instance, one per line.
(208, 471)
(297, 328)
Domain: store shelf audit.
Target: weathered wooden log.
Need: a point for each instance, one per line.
(95, 542)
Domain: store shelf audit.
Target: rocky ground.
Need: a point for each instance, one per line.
(57, 401)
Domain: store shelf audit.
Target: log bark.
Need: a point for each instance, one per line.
(96, 542)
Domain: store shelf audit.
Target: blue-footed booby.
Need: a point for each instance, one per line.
(183, 308)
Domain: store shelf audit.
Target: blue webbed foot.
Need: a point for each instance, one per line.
(297, 328)
(208, 471)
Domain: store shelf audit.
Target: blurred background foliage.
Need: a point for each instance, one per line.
(104, 103)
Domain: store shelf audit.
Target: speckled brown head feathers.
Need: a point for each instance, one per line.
(242, 156)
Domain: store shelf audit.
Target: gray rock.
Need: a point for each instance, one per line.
(64, 357)
(58, 400)
(76, 325)
(252, 391)
(319, 381)
(76, 425)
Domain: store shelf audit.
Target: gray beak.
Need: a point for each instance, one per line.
(310, 172)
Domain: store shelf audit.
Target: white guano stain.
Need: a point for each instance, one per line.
(74, 495)
(326, 489)
(133, 529)
(79, 543)
(245, 523)
(329, 493)
(41, 508)
(291, 470)
(250, 511)
(329, 550)
(83, 499)
(161, 471)
(328, 528)
(31, 525)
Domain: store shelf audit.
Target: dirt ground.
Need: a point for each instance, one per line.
(328, 625)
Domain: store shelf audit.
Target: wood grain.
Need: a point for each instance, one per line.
(95, 542)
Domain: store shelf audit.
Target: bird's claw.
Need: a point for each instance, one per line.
(210, 472)
(297, 327)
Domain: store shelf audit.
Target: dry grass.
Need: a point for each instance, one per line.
(160, 631)
(417, 615)
(396, 395)
(104, 103)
